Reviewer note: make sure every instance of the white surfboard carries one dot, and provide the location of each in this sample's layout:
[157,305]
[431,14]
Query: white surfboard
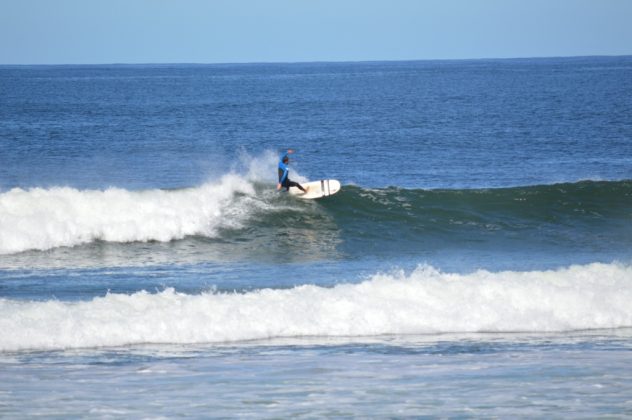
[317,189]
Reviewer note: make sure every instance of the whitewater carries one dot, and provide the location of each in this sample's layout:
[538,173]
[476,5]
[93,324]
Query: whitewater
[425,301]
[41,219]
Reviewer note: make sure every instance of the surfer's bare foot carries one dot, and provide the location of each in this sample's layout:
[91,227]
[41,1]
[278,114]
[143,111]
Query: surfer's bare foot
[305,190]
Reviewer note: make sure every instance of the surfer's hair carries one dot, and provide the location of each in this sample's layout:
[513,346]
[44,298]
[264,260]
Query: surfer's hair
[285,159]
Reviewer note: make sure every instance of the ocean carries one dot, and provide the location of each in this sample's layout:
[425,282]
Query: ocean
[476,263]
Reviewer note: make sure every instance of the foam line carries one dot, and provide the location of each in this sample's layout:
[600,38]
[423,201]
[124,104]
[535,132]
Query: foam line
[425,301]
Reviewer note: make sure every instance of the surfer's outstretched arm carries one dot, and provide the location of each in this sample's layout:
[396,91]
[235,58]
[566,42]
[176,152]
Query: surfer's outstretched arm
[284,154]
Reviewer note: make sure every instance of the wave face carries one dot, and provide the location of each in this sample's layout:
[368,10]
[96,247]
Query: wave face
[424,301]
[582,213]
[245,216]
[557,203]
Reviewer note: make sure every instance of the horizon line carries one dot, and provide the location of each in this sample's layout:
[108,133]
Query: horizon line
[228,63]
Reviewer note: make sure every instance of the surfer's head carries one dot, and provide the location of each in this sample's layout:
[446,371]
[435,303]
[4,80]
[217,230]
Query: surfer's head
[286,159]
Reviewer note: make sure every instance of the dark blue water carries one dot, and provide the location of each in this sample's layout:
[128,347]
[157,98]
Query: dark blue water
[437,124]
[138,208]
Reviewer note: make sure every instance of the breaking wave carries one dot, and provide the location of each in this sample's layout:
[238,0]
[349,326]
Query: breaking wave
[424,301]
[244,209]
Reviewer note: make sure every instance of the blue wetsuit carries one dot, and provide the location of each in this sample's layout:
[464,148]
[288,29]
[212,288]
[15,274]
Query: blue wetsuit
[284,170]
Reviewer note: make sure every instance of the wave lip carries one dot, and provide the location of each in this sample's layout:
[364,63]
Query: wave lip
[426,301]
[41,219]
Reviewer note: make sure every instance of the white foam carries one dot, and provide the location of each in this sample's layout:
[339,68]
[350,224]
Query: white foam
[41,219]
[425,301]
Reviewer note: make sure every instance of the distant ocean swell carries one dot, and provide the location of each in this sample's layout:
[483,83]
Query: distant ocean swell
[594,296]
[41,219]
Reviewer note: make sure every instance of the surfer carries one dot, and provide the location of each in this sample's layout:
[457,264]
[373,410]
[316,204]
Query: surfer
[284,179]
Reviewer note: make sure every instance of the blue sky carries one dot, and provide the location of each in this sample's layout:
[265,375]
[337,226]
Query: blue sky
[229,31]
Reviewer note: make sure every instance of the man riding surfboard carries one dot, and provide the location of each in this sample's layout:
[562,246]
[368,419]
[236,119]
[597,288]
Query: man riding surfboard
[284,170]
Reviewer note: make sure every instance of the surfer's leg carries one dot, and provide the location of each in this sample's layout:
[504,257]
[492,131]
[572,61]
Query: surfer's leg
[297,185]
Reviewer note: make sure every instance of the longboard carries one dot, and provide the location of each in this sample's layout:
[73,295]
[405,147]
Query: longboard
[317,189]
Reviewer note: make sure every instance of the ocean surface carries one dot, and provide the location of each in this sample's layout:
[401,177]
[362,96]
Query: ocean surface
[476,263]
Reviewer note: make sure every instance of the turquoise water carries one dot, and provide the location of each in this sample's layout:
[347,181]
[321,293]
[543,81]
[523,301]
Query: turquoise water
[476,261]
